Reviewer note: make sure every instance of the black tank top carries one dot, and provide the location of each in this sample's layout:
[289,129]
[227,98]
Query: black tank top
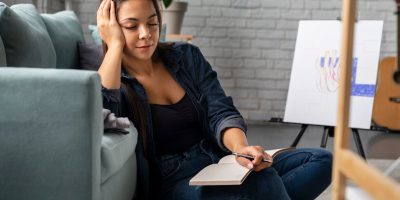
[176,127]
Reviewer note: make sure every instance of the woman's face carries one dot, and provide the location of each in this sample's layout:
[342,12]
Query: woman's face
[139,25]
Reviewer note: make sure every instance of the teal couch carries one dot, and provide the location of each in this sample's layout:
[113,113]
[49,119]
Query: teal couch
[52,143]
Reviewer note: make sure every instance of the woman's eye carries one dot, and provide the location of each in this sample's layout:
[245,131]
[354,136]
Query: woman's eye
[153,24]
[131,27]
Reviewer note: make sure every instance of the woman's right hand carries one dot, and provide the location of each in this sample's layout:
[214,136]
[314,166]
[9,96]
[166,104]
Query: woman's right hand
[109,28]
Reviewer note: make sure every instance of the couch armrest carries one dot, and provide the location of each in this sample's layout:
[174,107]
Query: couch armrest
[50,129]
[116,149]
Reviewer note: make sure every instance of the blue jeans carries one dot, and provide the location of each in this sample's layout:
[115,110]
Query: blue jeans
[299,174]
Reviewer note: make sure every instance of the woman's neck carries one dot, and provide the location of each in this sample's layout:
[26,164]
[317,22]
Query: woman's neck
[139,68]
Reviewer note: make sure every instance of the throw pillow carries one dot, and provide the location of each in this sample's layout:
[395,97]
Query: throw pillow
[3,60]
[94,32]
[65,32]
[90,56]
[25,37]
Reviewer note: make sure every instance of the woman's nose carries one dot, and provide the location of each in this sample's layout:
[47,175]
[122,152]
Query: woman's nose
[144,32]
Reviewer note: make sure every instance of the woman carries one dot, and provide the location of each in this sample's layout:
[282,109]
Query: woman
[185,120]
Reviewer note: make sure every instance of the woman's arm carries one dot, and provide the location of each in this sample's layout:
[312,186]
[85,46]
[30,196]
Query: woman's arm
[225,121]
[235,140]
[111,34]
[110,69]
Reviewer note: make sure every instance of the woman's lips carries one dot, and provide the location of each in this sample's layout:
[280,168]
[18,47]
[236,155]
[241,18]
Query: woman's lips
[144,46]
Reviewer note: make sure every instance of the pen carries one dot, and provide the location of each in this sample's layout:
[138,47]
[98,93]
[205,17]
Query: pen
[250,157]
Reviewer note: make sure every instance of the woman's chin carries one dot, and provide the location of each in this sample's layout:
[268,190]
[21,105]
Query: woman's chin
[140,55]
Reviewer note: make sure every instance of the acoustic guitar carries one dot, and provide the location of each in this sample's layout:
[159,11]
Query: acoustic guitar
[386,112]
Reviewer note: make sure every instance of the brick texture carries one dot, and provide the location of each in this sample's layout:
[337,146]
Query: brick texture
[250,43]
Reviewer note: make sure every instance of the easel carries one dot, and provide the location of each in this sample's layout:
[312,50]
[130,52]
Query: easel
[329,132]
[347,164]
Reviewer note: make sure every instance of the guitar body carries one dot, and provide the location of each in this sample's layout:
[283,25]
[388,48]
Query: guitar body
[386,112]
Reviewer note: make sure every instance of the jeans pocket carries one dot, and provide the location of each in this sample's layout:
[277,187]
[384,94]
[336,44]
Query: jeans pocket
[170,167]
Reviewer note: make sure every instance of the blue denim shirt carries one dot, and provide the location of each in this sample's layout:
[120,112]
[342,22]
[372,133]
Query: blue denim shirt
[194,74]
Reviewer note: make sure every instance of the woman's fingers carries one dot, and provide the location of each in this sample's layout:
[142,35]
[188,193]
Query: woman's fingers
[245,162]
[264,165]
[109,29]
[101,6]
[100,10]
[261,166]
[258,155]
[106,10]
[112,12]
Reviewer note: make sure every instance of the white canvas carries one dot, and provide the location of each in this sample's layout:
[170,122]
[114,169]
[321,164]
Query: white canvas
[313,88]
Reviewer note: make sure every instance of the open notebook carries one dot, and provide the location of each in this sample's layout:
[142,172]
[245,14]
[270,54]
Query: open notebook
[227,171]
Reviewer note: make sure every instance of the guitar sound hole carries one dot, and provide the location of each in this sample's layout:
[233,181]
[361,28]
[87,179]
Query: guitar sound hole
[394,99]
[396,77]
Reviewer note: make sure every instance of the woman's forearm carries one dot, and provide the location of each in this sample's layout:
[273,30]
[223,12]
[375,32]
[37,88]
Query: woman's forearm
[110,69]
[234,139]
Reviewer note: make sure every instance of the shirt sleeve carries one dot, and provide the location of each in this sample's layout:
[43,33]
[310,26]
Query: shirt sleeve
[112,100]
[221,112]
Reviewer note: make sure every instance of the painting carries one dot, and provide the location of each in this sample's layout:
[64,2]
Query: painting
[314,81]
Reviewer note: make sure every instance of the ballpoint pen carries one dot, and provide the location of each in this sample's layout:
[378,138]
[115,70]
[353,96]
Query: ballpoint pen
[250,157]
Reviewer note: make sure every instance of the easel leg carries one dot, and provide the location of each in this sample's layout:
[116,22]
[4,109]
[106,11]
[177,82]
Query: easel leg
[358,143]
[324,138]
[303,129]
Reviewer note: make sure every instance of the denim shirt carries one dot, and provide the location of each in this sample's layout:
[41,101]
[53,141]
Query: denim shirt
[194,74]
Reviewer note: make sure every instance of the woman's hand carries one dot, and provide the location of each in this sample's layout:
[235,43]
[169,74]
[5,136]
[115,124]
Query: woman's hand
[109,28]
[258,153]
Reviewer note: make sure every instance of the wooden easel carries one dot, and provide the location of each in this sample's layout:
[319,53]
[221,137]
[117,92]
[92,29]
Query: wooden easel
[346,163]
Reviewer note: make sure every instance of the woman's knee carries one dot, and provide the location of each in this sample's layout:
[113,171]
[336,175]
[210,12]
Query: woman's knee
[267,182]
[324,159]
[324,156]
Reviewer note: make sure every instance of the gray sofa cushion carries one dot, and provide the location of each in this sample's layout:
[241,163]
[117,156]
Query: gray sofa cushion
[90,56]
[3,60]
[65,32]
[94,32]
[116,149]
[25,37]
[122,184]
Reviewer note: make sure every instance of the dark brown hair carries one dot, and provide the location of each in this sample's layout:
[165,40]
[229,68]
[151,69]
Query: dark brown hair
[139,114]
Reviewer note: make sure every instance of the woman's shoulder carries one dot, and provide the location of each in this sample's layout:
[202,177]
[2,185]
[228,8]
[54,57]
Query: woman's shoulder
[184,47]
[171,53]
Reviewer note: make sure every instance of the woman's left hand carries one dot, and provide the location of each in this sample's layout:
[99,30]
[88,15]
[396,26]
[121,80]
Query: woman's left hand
[258,153]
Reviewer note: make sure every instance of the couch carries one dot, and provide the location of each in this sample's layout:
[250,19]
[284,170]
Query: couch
[52,142]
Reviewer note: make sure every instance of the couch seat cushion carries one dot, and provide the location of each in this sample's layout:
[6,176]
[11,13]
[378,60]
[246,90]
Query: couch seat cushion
[115,151]
[65,32]
[25,37]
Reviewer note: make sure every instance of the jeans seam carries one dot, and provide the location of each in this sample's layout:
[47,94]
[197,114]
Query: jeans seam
[203,150]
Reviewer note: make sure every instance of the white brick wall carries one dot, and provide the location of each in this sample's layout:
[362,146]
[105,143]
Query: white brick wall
[250,43]
[260,36]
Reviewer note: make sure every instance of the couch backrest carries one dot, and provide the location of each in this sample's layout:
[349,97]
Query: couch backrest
[39,40]
[65,32]
[3,60]
[25,37]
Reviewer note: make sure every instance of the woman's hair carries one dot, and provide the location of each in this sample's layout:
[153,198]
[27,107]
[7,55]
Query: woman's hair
[139,114]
